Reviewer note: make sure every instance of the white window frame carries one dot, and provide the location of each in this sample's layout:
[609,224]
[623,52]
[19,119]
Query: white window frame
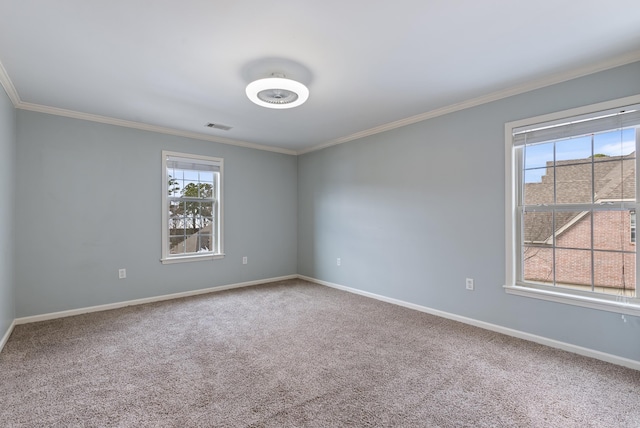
[168,258]
[618,304]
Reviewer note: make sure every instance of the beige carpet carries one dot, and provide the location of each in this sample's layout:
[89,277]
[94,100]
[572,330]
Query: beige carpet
[295,354]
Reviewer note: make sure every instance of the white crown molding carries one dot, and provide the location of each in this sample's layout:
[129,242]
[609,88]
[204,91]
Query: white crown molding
[592,353]
[7,84]
[484,99]
[146,127]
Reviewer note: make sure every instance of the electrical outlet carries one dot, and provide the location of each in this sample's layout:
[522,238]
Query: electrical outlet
[469,283]
[122,273]
[338,261]
[244,260]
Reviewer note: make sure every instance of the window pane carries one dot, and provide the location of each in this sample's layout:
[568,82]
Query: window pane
[574,184]
[536,175]
[206,209]
[206,221]
[612,231]
[573,229]
[608,177]
[191,175]
[204,242]
[205,190]
[614,273]
[201,223]
[192,242]
[176,207]
[206,176]
[573,268]
[538,156]
[179,188]
[538,264]
[538,187]
[538,227]
[614,143]
[629,178]
[181,223]
[177,227]
[615,180]
[190,189]
[178,174]
[173,184]
[176,245]
[574,150]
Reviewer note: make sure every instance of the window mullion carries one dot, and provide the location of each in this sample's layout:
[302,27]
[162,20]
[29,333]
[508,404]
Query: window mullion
[553,215]
[593,193]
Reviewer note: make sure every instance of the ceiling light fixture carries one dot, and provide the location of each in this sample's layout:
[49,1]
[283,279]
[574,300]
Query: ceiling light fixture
[277,92]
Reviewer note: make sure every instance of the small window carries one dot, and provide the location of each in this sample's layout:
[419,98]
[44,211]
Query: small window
[191,207]
[573,202]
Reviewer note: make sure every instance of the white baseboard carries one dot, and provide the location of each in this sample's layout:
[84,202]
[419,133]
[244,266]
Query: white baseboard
[5,338]
[72,312]
[614,359]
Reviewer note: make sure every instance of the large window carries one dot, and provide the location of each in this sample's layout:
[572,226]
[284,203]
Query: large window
[191,207]
[571,204]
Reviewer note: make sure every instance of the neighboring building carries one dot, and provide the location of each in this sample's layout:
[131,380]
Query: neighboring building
[193,241]
[612,252]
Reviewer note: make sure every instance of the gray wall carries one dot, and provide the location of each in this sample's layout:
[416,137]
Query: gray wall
[89,203]
[7,160]
[414,211]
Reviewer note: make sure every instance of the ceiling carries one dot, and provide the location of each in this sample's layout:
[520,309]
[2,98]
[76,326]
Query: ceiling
[174,66]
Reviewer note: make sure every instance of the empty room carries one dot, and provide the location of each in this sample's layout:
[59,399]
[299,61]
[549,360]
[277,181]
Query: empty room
[319,214]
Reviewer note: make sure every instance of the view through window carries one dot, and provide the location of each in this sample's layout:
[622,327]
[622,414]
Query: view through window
[191,201]
[576,204]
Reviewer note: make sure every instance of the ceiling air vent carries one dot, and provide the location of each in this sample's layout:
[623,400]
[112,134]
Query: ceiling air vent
[218,126]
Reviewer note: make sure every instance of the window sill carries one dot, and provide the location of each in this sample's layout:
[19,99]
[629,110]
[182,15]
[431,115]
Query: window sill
[569,299]
[195,258]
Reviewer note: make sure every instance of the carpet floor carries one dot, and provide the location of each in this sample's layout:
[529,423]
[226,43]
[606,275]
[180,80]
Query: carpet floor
[296,354]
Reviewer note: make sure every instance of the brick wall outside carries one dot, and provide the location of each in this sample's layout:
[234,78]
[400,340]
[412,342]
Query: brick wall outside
[573,266]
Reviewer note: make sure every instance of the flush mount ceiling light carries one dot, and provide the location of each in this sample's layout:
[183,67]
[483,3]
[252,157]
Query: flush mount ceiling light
[277,92]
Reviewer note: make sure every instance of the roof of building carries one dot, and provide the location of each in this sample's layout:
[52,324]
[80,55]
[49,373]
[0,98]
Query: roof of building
[613,180]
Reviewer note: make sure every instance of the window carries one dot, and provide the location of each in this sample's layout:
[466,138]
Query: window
[191,207]
[571,201]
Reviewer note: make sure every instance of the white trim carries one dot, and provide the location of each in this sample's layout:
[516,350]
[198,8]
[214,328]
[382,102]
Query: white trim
[484,99]
[72,312]
[614,359]
[620,307]
[6,336]
[146,127]
[192,258]
[217,162]
[510,187]
[7,84]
